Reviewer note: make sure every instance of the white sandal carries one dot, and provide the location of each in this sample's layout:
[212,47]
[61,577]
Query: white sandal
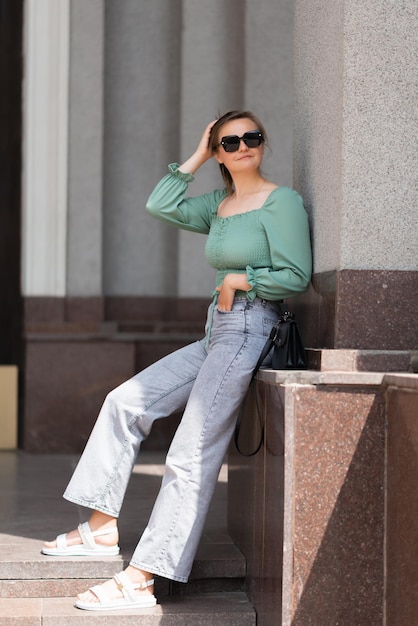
[88,548]
[130,598]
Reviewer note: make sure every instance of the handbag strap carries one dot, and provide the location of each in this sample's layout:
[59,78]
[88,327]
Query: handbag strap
[264,353]
[238,428]
[274,335]
[266,349]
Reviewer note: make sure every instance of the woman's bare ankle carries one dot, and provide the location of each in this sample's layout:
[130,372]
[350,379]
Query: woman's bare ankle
[137,575]
[97,521]
[101,521]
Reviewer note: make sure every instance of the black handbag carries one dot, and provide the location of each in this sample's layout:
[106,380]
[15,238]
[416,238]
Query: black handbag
[287,345]
[288,354]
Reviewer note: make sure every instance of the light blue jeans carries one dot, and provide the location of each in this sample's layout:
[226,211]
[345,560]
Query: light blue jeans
[208,378]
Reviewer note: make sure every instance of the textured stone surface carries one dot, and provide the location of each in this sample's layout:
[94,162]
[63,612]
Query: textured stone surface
[402,506]
[36,589]
[85,155]
[79,349]
[375,310]
[33,510]
[255,502]
[228,608]
[355,166]
[313,506]
[380,123]
[333,541]
[66,383]
[360,360]
[20,612]
[360,309]
[355,129]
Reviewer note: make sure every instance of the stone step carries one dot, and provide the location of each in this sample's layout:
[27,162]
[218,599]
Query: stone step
[39,590]
[230,609]
[26,573]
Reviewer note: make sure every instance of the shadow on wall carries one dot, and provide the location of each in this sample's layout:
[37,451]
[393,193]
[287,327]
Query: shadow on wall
[344,583]
[402,508]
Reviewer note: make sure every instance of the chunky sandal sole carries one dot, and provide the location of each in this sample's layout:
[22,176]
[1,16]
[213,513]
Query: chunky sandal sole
[78,550]
[121,605]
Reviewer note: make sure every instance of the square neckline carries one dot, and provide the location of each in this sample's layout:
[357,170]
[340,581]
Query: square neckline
[227,217]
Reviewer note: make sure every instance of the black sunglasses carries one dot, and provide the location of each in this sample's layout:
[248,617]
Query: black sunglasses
[252,139]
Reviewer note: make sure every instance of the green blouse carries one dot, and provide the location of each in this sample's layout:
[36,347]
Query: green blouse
[270,244]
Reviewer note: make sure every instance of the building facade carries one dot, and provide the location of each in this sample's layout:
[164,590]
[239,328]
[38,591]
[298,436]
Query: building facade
[111,92]
[98,96]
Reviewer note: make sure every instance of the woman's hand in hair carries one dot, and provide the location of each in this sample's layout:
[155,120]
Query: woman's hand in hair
[202,153]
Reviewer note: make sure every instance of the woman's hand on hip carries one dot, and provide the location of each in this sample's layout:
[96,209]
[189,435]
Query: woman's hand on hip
[230,284]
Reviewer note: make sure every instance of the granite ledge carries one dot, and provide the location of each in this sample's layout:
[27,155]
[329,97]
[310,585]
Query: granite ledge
[404,381]
[341,378]
[325,359]
[314,377]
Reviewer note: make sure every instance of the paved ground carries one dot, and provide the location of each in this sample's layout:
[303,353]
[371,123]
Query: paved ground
[37,589]
[32,508]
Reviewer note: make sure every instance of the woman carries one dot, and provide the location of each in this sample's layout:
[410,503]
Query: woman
[258,241]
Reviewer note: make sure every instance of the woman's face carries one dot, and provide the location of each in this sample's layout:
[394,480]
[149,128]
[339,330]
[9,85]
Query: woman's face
[244,157]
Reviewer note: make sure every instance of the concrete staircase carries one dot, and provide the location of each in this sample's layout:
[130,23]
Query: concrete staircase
[39,590]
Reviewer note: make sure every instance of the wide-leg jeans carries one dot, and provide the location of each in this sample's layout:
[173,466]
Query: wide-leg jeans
[209,378]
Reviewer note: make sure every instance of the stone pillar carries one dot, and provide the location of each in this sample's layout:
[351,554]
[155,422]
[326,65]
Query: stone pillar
[45,147]
[142,82]
[235,54]
[310,522]
[268,83]
[212,83]
[85,175]
[355,165]
[327,519]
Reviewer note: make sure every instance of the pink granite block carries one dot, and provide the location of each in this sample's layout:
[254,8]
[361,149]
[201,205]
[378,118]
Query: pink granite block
[255,500]
[334,502]
[360,309]
[310,505]
[272,556]
[376,310]
[243,486]
[402,507]
[66,383]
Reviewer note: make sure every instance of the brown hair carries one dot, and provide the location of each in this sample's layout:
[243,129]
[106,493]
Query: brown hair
[215,136]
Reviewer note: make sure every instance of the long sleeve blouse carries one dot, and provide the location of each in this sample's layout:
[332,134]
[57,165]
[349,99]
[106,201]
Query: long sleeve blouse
[271,245]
